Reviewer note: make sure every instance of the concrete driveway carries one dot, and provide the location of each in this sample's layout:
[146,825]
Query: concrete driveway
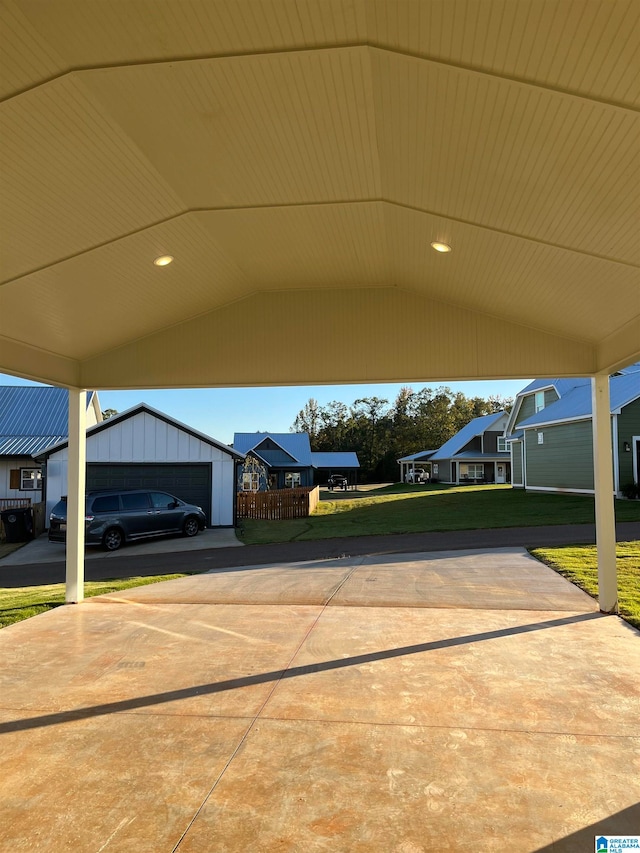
[458,701]
[40,550]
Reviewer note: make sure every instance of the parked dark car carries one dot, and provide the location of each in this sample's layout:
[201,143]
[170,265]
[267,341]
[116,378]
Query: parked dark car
[337,481]
[116,516]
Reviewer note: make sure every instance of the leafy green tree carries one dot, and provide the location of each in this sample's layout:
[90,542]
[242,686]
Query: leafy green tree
[308,419]
[380,434]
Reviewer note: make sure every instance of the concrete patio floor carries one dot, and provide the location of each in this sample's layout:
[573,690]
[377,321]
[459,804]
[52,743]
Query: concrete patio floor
[458,701]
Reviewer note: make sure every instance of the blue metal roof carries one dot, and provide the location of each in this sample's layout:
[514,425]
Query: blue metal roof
[296,444]
[478,454]
[27,445]
[562,386]
[33,410]
[32,418]
[577,403]
[475,427]
[633,368]
[346,459]
[423,456]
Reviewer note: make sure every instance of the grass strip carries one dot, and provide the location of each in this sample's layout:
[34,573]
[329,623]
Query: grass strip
[435,507]
[579,564]
[21,603]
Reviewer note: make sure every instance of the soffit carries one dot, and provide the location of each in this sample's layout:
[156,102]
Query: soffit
[279,146]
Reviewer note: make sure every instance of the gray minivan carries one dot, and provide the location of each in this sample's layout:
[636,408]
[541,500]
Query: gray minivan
[115,516]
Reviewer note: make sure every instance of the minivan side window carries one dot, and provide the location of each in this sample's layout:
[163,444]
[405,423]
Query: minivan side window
[135,501]
[107,503]
[161,500]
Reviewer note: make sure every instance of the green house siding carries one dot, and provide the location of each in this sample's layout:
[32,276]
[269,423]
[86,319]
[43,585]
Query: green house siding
[516,475]
[528,405]
[628,426]
[564,460]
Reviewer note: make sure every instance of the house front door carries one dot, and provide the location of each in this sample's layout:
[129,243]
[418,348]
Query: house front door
[500,474]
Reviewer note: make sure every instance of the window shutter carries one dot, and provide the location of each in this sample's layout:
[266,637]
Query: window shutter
[14,478]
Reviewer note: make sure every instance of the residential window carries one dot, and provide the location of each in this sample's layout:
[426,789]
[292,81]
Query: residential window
[30,479]
[539,401]
[435,469]
[250,481]
[292,479]
[472,472]
[502,444]
[540,438]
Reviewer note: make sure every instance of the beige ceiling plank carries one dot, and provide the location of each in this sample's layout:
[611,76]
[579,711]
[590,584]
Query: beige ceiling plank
[105,297]
[585,49]
[71,179]
[29,362]
[497,154]
[99,34]
[521,281]
[621,348]
[256,130]
[423,341]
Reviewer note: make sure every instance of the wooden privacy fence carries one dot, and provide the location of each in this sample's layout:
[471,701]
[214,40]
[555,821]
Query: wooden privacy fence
[278,504]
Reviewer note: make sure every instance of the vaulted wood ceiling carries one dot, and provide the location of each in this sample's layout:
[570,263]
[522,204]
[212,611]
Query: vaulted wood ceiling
[297,158]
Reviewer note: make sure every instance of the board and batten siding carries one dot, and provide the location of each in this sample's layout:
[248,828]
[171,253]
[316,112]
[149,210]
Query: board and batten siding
[628,427]
[146,438]
[564,460]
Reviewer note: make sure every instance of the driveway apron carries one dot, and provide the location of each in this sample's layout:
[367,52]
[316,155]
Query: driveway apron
[459,700]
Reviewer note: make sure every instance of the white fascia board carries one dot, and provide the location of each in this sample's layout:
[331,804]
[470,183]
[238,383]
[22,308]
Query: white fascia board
[631,399]
[560,490]
[555,423]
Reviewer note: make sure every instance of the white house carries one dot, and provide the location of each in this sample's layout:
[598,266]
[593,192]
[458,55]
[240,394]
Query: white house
[32,418]
[144,448]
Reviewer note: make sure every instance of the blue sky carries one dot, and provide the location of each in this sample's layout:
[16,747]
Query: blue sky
[219,412]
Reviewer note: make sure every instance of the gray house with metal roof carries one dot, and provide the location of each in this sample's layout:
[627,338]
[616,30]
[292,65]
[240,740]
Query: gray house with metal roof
[476,454]
[550,434]
[285,460]
[32,418]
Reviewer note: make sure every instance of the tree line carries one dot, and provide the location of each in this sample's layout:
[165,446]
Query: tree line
[381,433]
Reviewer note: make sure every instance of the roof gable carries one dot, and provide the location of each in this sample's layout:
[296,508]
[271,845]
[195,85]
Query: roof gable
[295,444]
[475,427]
[144,408]
[576,404]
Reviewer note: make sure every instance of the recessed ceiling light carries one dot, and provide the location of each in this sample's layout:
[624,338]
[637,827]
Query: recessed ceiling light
[163,260]
[441,247]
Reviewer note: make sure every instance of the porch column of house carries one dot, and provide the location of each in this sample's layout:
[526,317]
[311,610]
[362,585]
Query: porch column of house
[603,482]
[76,476]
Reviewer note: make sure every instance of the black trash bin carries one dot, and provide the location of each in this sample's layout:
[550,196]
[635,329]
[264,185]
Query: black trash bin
[18,524]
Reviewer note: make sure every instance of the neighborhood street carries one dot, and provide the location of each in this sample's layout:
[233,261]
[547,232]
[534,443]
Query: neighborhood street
[134,562]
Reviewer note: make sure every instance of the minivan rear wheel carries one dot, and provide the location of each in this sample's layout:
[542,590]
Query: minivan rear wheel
[112,539]
[191,526]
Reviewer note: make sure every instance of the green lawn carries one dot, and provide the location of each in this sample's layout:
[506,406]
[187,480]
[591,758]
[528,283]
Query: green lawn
[579,565]
[417,509]
[23,602]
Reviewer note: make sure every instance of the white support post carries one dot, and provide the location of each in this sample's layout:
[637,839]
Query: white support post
[603,481]
[76,495]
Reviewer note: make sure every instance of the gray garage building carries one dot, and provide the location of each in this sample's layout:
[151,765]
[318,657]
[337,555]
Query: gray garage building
[144,448]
